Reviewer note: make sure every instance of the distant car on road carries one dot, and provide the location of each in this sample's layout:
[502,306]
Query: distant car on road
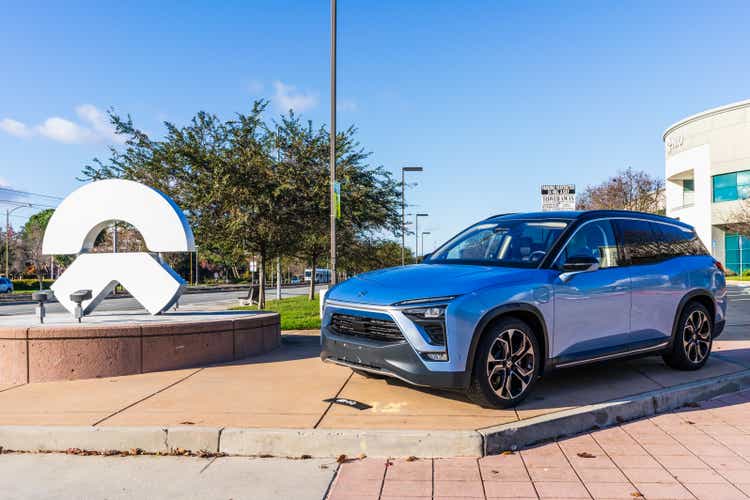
[6,285]
[515,296]
[295,280]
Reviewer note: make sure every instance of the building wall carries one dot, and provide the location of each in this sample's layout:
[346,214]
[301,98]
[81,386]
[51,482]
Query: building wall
[692,163]
[699,147]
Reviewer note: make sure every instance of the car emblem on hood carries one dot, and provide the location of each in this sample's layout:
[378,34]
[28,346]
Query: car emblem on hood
[362,293]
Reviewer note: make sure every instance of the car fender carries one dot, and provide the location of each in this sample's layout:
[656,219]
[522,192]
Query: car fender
[698,292]
[501,310]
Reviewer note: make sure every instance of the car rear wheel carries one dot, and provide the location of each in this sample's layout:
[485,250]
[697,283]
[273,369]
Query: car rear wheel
[694,339]
[506,365]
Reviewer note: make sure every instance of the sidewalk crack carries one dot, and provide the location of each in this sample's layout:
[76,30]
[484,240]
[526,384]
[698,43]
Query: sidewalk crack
[147,397]
[208,465]
[341,389]
[12,387]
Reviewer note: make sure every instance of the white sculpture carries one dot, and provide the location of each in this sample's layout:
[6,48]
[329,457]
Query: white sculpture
[73,228]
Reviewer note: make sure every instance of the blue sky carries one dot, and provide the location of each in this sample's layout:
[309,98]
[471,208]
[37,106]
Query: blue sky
[492,98]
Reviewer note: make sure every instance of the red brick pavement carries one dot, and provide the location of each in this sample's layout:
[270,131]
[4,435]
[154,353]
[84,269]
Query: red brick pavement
[700,452]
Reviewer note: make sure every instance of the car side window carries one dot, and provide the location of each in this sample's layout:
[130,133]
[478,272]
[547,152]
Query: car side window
[677,241]
[594,239]
[639,241]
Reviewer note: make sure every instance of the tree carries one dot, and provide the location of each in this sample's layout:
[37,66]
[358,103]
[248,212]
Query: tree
[31,240]
[366,254]
[238,199]
[628,190]
[249,189]
[370,196]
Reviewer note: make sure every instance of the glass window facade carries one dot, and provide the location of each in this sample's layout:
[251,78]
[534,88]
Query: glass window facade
[688,192]
[737,248]
[733,186]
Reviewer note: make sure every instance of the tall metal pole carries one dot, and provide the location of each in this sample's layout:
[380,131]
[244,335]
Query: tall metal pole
[423,233]
[278,278]
[278,259]
[196,265]
[416,239]
[7,240]
[403,208]
[403,218]
[333,143]
[9,211]
[416,236]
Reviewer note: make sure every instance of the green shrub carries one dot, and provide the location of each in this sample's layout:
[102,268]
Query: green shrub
[30,284]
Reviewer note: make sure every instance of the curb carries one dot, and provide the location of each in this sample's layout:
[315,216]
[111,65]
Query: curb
[332,443]
[316,443]
[326,443]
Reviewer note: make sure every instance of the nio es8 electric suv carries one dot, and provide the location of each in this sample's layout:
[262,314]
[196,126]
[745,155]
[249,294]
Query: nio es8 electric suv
[514,296]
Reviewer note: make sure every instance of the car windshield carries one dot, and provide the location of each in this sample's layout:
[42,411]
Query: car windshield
[513,243]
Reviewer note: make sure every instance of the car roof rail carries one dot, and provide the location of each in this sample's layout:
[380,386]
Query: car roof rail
[500,215]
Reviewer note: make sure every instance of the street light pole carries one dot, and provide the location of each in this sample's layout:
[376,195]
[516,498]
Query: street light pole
[403,208]
[333,143]
[9,211]
[196,265]
[423,233]
[416,236]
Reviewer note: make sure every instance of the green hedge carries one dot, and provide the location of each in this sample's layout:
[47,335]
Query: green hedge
[30,284]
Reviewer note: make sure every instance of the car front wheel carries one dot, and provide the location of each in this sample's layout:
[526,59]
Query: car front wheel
[506,365]
[693,341]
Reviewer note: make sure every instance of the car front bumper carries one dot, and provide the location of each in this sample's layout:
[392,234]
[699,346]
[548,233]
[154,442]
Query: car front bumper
[396,359]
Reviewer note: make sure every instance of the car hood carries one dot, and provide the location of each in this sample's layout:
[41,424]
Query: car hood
[388,286]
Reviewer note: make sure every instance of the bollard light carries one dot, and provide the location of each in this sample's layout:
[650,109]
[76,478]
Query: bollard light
[41,297]
[77,298]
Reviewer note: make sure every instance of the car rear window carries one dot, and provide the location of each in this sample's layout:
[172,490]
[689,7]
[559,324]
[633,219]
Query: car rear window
[648,242]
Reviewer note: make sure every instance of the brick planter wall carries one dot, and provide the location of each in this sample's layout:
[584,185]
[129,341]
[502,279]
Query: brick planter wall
[68,352]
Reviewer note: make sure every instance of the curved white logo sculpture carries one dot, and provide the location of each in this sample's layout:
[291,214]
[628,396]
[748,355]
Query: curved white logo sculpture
[73,228]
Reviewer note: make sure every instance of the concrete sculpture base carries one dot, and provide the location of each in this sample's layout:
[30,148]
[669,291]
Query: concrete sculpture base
[110,345]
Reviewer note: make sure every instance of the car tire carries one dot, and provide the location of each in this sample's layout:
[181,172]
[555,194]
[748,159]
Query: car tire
[506,365]
[693,339]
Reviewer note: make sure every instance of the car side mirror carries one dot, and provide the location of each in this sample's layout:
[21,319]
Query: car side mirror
[426,257]
[578,264]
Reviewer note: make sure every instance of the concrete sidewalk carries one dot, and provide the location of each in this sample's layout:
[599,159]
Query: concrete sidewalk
[280,398]
[287,388]
[56,476]
[276,404]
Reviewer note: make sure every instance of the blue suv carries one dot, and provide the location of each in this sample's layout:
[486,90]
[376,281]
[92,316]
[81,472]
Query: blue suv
[514,296]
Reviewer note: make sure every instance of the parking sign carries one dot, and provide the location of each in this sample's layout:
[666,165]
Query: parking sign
[558,197]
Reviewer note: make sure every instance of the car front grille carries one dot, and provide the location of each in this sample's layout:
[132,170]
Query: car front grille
[384,330]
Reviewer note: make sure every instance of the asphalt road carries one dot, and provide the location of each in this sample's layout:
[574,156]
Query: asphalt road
[210,300]
[738,314]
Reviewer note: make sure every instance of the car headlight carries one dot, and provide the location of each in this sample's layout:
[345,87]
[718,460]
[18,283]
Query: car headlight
[431,320]
[426,313]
